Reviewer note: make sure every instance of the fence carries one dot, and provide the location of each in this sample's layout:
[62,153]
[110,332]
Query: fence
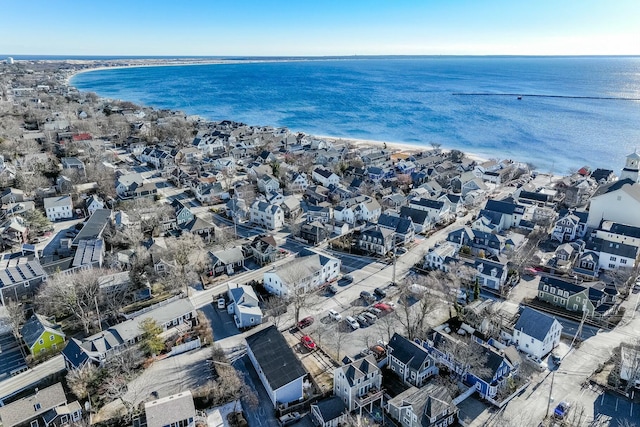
[183,348]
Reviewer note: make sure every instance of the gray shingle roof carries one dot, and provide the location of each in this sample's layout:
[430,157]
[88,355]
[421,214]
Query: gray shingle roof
[33,406]
[534,323]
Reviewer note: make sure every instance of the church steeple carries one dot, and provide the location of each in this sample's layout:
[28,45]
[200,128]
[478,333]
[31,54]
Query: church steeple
[632,167]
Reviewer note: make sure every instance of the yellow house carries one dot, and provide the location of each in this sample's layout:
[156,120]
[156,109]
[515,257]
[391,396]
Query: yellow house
[41,335]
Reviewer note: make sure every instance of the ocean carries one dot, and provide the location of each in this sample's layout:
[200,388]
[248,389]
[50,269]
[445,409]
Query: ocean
[558,113]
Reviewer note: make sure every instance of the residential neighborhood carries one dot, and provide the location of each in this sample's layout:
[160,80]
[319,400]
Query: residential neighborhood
[161,269]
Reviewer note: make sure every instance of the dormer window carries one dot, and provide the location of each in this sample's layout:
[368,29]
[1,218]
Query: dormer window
[36,407]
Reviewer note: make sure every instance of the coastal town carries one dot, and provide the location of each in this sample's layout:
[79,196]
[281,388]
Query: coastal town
[160,269]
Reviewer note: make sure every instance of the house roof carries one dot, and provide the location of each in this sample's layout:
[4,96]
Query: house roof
[277,361]
[359,369]
[37,325]
[627,185]
[75,354]
[177,407]
[487,266]
[417,216]
[88,252]
[534,323]
[228,256]
[94,226]
[407,352]
[330,408]
[600,174]
[32,406]
[399,224]
[65,409]
[428,401]
[503,207]
[56,202]
[427,203]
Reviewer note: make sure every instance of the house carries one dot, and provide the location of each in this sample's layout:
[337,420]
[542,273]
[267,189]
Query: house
[571,225]
[244,306]
[101,346]
[308,271]
[278,368]
[267,184]
[184,215]
[46,407]
[409,361]
[298,182]
[404,229]
[266,215]
[454,203]
[437,211]
[93,203]
[329,412]
[419,218]
[236,209]
[613,255]
[176,410]
[322,212]
[11,195]
[427,406]
[499,215]
[358,383]
[602,176]
[618,201]
[536,333]
[93,227]
[572,296]
[618,233]
[265,249]
[314,232]
[490,274]
[58,207]
[325,177]
[376,240]
[441,257]
[72,163]
[227,261]
[20,277]
[359,208]
[40,335]
[291,207]
[14,231]
[89,254]
[134,185]
[564,254]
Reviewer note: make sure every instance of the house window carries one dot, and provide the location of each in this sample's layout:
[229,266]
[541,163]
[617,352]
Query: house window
[577,299]
[623,261]
[36,407]
[613,258]
[34,423]
[41,341]
[52,337]
[612,266]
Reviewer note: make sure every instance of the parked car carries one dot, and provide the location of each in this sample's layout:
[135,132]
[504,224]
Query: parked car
[367,297]
[333,289]
[562,410]
[308,342]
[378,350]
[352,322]
[307,321]
[365,352]
[348,278]
[556,359]
[335,315]
[380,292]
[371,318]
[383,306]
[376,311]
[290,418]
[221,303]
[362,321]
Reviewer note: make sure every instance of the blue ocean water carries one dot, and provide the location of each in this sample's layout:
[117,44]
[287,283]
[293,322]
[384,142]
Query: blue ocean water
[415,100]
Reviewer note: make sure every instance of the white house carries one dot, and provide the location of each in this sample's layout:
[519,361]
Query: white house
[278,368]
[267,183]
[298,182]
[358,383]
[325,177]
[490,274]
[536,333]
[614,255]
[630,364]
[618,202]
[266,215]
[308,271]
[436,210]
[58,207]
[94,203]
[571,226]
[244,306]
[441,256]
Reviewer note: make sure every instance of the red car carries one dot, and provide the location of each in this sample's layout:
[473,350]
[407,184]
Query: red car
[384,307]
[307,321]
[308,342]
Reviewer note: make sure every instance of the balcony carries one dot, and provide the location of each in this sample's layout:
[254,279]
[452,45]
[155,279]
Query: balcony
[369,397]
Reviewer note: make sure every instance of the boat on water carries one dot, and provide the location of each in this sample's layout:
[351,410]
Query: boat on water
[519,98]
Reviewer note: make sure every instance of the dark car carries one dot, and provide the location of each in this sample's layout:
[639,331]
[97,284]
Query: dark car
[348,278]
[307,321]
[362,321]
[365,295]
[333,289]
[561,410]
[380,292]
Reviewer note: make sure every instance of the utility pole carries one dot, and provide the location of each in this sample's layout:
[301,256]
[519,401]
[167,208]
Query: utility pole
[553,375]
[579,331]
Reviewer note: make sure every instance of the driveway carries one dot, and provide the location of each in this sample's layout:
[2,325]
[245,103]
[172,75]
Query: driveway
[221,322]
[263,415]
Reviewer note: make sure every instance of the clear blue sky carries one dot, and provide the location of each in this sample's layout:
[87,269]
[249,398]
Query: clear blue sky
[320,27]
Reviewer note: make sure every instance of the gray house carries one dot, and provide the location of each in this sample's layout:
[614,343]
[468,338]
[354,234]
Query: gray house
[427,406]
[409,361]
[244,306]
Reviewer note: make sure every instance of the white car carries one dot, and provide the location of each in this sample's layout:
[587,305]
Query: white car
[221,303]
[335,315]
[352,322]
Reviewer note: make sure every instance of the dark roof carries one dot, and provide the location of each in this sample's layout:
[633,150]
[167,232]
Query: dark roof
[427,203]
[35,327]
[504,207]
[600,174]
[625,230]
[417,216]
[534,323]
[400,225]
[614,248]
[562,284]
[331,408]
[582,216]
[74,353]
[613,186]
[323,172]
[276,359]
[94,226]
[407,351]
[538,197]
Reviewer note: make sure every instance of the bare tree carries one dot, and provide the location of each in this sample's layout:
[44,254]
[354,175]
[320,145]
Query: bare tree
[73,294]
[275,307]
[188,253]
[386,325]
[468,356]
[416,302]
[16,316]
[82,381]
